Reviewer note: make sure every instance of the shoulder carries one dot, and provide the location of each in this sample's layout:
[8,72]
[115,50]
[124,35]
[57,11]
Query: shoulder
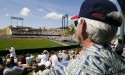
[7,70]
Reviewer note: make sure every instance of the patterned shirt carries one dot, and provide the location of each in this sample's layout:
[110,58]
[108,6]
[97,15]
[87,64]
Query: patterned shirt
[96,60]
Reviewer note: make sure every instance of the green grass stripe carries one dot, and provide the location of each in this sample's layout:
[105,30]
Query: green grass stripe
[27,44]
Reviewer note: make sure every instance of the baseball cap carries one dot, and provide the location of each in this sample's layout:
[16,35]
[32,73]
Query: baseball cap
[98,10]
[45,52]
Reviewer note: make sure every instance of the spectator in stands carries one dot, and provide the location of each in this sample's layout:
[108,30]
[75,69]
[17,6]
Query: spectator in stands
[43,69]
[23,59]
[97,24]
[12,69]
[64,56]
[1,66]
[32,56]
[119,47]
[7,58]
[43,58]
[15,60]
[59,55]
[39,70]
[47,70]
[38,58]
[54,59]
[29,60]
[72,54]
[4,59]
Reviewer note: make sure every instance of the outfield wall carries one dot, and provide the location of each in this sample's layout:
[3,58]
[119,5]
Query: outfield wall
[39,50]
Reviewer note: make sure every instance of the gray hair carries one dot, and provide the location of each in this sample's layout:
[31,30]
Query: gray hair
[101,32]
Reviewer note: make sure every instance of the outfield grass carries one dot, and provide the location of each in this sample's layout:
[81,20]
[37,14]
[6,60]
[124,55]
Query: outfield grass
[25,43]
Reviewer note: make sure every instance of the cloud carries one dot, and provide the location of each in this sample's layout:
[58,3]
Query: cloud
[7,15]
[42,10]
[25,11]
[5,9]
[54,15]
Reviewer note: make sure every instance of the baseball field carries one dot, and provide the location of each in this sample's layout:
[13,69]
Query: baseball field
[27,43]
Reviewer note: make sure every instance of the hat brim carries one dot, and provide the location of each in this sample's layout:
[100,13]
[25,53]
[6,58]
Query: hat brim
[75,17]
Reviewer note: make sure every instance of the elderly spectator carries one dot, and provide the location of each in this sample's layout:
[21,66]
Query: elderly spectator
[97,24]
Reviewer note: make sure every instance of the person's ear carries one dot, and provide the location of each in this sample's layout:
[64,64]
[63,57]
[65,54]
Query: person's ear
[83,26]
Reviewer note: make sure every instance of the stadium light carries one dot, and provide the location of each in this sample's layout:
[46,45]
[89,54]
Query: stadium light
[63,21]
[16,18]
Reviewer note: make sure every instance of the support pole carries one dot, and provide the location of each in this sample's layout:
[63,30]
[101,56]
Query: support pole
[122,31]
[62,23]
[67,20]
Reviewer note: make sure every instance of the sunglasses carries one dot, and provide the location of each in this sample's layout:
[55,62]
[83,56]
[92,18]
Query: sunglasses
[76,23]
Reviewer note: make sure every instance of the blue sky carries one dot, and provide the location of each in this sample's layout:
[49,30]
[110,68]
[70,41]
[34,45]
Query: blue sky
[37,13]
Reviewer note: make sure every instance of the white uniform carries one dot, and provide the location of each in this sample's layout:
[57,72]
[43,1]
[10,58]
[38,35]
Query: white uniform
[12,52]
